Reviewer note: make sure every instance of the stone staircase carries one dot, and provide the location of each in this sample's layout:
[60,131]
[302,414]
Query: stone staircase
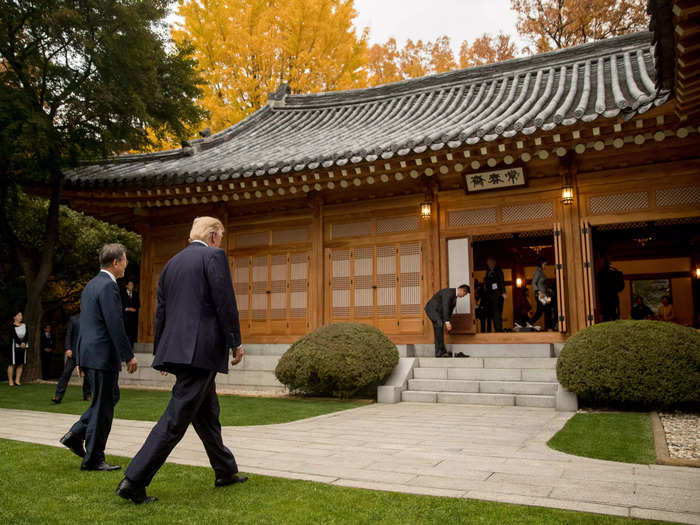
[494,374]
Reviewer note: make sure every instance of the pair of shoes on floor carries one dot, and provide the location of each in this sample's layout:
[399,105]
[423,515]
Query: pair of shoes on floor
[230,480]
[74,443]
[444,354]
[127,489]
[461,354]
[102,466]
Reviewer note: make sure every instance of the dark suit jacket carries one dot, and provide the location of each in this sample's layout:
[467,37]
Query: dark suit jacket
[47,342]
[71,340]
[131,302]
[196,316]
[102,341]
[441,305]
[494,276]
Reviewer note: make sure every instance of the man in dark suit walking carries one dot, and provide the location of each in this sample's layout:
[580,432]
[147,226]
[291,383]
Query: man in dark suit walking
[131,305]
[439,310]
[102,346]
[196,327]
[71,344]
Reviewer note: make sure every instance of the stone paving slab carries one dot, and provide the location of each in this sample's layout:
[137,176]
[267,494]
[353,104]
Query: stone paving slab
[481,452]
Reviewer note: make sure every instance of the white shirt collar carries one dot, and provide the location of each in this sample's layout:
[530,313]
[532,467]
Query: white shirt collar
[110,275]
[200,242]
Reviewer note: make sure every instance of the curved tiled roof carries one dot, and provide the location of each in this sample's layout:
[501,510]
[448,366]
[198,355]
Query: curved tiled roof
[485,103]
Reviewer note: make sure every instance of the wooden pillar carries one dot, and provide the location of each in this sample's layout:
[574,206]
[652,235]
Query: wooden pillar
[147,307]
[316,294]
[434,254]
[573,260]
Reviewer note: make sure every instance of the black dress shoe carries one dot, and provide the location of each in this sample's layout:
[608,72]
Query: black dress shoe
[86,398]
[73,442]
[101,466]
[127,489]
[230,480]
[56,401]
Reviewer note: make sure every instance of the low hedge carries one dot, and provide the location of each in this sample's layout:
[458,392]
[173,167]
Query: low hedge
[633,364]
[339,359]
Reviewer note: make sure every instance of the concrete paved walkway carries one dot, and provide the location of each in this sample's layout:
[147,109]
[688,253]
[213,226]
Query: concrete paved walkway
[489,453]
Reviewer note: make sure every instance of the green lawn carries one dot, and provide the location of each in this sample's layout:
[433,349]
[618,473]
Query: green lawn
[615,436]
[42,484]
[148,405]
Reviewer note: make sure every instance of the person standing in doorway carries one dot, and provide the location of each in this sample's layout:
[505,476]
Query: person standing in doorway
[543,298]
[196,328]
[47,348]
[495,289]
[70,345]
[439,310]
[102,346]
[131,305]
[611,282]
[17,356]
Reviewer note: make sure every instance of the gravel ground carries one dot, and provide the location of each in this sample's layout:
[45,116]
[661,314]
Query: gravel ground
[682,435]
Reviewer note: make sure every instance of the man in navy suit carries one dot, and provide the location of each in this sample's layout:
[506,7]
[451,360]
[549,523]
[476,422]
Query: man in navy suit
[196,327]
[102,346]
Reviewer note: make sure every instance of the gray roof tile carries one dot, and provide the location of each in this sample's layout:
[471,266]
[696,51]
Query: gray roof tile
[485,103]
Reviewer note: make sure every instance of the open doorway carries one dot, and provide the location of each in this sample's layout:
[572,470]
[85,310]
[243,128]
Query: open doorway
[657,265]
[514,305]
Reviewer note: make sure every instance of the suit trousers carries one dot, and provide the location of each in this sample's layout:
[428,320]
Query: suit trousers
[46,361]
[96,423]
[439,333]
[193,401]
[495,311]
[65,378]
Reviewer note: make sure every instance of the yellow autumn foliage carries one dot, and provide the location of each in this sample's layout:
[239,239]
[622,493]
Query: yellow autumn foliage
[246,48]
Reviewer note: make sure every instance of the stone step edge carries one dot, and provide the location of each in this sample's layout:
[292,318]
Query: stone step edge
[552,396]
[489,381]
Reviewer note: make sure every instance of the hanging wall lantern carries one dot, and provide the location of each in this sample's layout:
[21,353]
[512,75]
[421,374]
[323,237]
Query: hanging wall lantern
[426,210]
[518,282]
[567,194]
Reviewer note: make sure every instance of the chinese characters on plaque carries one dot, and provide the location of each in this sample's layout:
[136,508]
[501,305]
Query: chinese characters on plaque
[495,180]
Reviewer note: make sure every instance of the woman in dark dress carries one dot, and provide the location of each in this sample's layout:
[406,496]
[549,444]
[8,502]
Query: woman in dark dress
[19,342]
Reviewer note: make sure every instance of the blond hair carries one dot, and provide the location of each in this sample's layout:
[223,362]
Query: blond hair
[203,227]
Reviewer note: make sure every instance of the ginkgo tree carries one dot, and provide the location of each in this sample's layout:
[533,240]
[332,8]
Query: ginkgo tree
[246,48]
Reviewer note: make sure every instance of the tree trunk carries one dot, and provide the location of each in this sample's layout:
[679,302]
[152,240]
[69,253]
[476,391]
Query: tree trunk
[32,318]
[37,269]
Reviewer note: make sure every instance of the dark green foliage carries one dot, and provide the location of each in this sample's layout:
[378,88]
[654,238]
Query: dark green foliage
[645,364]
[339,359]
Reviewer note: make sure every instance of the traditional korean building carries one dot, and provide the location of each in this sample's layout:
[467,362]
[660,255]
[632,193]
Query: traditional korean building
[359,205]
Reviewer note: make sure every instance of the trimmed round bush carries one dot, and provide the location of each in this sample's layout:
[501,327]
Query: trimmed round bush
[640,364]
[339,359]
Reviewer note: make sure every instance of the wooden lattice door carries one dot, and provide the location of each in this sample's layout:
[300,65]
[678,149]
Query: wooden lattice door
[377,285]
[272,292]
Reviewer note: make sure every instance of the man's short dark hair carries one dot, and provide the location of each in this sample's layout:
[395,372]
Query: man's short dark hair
[464,287]
[111,252]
